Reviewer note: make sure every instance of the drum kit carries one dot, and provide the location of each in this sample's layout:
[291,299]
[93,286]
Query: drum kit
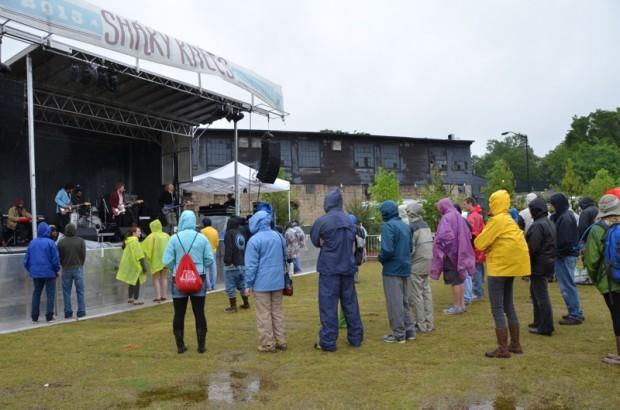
[86,218]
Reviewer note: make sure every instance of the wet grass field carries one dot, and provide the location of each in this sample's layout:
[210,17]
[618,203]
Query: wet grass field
[129,361]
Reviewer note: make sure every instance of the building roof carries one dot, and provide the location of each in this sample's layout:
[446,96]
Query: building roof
[341,135]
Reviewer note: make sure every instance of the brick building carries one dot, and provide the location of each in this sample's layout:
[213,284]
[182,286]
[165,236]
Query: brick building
[317,162]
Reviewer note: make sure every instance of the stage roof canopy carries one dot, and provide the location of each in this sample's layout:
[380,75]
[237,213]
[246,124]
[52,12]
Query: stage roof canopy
[142,101]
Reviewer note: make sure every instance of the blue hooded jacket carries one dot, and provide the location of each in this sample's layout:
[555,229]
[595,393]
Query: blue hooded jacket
[200,252]
[265,256]
[337,233]
[396,244]
[42,259]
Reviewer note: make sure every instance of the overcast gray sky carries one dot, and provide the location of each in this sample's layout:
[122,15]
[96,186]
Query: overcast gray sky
[416,68]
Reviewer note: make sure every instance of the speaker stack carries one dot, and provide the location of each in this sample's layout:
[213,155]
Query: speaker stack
[269,160]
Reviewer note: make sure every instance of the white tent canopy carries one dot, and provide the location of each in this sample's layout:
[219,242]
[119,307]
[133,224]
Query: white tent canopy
[222,181]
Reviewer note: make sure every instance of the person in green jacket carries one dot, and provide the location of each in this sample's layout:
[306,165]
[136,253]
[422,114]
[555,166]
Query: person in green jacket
[596,266]
[154,246]
[133,267]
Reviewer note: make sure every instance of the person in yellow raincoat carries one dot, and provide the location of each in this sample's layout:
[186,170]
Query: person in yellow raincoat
[507,257]
[154,246]
[133,267]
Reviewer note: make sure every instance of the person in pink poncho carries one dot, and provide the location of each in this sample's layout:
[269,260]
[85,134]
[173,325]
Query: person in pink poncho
[453,253]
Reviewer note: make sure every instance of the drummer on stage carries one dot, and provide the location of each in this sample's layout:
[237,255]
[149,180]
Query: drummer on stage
[18,220]
[63,202]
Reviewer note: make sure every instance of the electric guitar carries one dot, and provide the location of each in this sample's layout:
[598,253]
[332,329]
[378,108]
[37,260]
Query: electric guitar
[171,207]
[68,209]
[122,208]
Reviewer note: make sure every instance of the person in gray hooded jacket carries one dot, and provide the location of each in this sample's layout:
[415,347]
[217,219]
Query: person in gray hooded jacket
[420,294]
[72,250]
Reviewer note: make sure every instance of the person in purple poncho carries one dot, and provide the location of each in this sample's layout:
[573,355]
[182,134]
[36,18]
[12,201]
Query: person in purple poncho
[453,253]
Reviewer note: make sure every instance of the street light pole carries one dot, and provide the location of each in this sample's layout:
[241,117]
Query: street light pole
[527,155]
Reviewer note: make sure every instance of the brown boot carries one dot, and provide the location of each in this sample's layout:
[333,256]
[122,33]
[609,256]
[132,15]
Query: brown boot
[233,305]
[515,345]
[502,345]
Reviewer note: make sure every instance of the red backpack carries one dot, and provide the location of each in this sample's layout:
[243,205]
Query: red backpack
[187,280]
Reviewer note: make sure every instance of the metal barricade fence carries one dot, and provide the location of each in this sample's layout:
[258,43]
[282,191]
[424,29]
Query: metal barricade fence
[373,245]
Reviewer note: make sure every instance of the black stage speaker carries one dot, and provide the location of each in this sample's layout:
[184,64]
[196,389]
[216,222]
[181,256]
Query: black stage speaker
[89,234]
[269,161]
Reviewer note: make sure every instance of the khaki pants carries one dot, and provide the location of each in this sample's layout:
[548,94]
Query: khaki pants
[270,318]
[421,297]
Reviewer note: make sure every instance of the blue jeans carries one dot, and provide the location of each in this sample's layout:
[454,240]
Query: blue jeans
[69,276]
[565,274]
[479,280]
[212,274]
[296,265]
[50,291]
[468,293]
[234,279]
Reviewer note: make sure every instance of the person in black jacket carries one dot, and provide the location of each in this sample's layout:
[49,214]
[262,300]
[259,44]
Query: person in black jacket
[588,214]
[234,264]
[72,250]
[566,253]
[541,240]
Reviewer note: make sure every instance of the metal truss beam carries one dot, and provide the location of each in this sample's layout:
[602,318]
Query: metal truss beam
[89,124]
[48,101]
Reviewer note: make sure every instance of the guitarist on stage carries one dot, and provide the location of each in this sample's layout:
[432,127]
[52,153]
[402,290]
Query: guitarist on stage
[63,204]
[117,202]
[168,205]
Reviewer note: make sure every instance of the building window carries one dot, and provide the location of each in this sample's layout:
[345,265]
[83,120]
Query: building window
[219,152]
[256,143]
[285,154]
[364,156]
[390,156]
[244,142]
[336,145]
[309,153]
[439,159]
[310,189]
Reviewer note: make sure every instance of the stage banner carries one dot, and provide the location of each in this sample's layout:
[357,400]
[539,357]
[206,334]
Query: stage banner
[82,21]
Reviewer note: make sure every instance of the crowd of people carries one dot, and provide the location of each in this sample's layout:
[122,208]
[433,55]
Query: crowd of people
[464,249]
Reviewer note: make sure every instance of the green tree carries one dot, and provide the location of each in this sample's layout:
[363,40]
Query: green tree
[500,177]
[368,214]
[598,185]
[512,149]
[571,182]
[430,196]
[386,187]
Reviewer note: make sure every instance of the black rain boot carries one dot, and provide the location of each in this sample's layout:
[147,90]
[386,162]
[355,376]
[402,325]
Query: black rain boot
[201,335]
[178,336]
[246,303]
[233,305]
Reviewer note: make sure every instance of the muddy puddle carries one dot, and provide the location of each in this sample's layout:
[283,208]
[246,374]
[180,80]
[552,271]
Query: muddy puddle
[499,403]
[226,387]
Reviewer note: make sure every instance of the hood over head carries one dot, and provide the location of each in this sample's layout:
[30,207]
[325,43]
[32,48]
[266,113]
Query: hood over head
[445,205]
[402,212]
[388,210]
[538,208]
[70,230]
[155,226]
[260,221]
[586,202]
[559,202]
[333,200]
[414,210]
[514,214]
[530,197]
[44,230]
[499,202]
[234,222]
[353,219]
[187,221]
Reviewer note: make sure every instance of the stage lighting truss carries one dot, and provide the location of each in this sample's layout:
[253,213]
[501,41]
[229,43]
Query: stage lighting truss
[71,112]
